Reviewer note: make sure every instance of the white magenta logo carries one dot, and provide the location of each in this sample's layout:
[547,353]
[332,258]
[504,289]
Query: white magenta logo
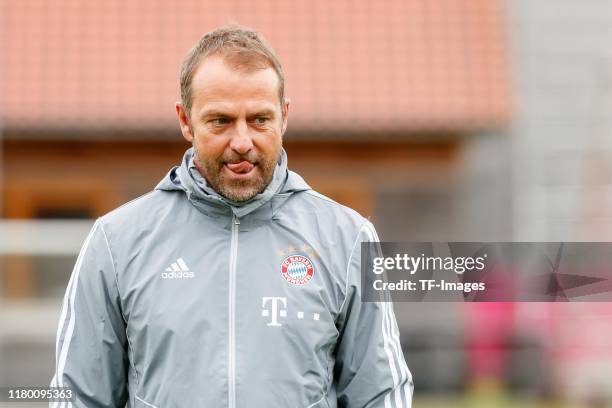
[278,308]
[178,270]
[273,308]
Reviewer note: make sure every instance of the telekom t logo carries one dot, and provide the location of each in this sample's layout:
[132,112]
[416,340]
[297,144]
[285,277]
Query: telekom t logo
[275,310]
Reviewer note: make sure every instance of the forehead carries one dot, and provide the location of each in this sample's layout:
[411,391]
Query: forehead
[217,81]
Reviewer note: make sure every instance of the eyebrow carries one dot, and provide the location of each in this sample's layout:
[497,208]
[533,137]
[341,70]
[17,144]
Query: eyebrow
[211,113]
[214,112]
[263,112]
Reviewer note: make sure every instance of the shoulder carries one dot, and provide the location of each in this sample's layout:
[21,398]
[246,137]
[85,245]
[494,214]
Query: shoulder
[327,213]
[327,205]
[141,211]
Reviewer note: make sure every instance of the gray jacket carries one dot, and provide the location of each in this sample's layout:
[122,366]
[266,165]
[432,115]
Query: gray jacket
[181,298]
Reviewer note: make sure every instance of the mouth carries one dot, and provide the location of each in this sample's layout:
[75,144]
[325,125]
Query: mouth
[241,168]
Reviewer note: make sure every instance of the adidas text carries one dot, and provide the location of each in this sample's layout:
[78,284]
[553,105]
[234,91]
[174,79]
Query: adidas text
[177,275]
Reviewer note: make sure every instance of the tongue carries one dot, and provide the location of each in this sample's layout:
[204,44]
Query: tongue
[241,167]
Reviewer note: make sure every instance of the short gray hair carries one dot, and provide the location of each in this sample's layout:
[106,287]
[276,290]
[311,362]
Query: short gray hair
[241,47]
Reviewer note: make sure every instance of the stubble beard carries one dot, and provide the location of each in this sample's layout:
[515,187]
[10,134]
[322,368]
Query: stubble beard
[238,190]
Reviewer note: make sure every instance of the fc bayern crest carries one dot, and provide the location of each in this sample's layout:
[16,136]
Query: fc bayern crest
[297,269]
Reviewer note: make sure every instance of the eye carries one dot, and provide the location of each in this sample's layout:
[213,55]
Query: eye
[219,121]
[261,120]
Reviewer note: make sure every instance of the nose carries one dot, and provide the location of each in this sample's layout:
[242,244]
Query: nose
[241,141]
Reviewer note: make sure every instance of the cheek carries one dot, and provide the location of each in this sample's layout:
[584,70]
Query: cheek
[210,146]
[269,141]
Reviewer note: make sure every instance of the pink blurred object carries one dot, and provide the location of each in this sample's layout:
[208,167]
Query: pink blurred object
[489,326]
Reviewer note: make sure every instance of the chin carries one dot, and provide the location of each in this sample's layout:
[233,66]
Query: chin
[240,193]
[240,197]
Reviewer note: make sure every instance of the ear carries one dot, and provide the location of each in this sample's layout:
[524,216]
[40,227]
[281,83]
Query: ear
[183,118]
[285,115]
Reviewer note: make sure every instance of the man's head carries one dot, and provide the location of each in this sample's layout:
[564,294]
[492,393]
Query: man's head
[233,110]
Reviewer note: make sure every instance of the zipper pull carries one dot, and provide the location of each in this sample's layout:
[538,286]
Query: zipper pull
[236,220]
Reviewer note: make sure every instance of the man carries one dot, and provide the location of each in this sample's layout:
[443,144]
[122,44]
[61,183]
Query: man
[233,283]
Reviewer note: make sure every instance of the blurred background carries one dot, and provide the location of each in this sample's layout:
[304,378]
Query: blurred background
[465,120]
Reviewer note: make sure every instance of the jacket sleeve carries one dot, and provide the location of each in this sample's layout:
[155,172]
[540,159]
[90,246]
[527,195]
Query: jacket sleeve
[91,355]
[370,369]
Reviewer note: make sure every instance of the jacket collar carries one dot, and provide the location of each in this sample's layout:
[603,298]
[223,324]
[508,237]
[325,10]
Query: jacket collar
[188,179]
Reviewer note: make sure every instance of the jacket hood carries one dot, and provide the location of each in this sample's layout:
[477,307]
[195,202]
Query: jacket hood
[187,178]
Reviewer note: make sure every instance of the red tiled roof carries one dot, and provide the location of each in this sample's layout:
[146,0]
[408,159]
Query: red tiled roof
[397,65]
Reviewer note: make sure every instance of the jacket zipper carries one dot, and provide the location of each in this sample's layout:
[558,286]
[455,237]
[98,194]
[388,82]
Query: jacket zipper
[232,313]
